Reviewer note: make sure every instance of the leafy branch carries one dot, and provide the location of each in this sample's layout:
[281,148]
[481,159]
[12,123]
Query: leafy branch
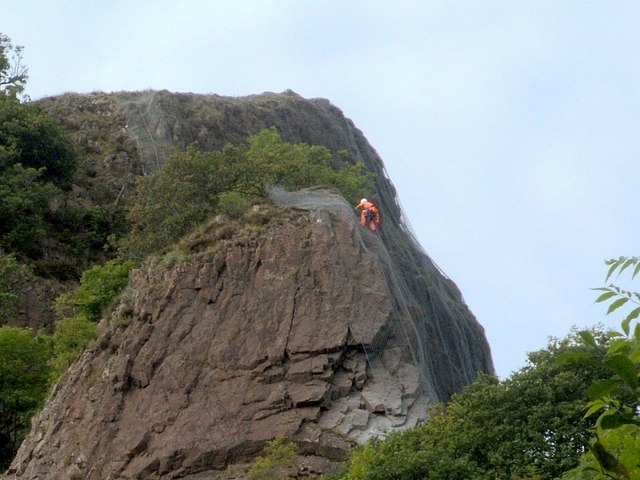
[615,450]
[621,297]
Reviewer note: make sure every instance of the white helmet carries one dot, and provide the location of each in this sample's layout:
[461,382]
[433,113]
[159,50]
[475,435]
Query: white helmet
[363,200]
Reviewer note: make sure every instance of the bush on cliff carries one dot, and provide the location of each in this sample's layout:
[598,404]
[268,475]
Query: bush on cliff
[82,308]
[195,185]
[278,461]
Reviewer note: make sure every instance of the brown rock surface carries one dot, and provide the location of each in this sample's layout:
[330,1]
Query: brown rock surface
[265,338]
[312,327]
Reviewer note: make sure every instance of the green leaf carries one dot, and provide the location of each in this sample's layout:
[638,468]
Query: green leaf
[636,271]
[610,419]
[633,314]
[627,321]
[605,296]
[587,338]
[634,356]
[624,368]
[617,304]
[627,264]
[636,331]
[572,357]
[618,344]
[594,407]
[603,388]
[614,264]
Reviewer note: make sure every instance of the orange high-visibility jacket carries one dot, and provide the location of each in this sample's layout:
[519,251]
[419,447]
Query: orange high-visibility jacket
[365,205]
[368,206]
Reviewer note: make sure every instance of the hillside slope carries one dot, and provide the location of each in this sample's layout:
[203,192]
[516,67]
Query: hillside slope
[295,321]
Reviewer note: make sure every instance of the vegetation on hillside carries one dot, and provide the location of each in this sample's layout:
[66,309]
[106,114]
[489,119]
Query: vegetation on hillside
[14,276]
[39,221]
[278,461]
[195,185]
[81,310]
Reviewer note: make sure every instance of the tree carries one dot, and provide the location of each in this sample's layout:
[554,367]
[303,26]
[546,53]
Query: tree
[530,425]
[37,161]
[35,140]
[24,375]
[13,74]
[614,451]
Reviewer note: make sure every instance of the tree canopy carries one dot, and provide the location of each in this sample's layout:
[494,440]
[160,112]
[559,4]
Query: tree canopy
[37,160]
[35,140]
[530,425]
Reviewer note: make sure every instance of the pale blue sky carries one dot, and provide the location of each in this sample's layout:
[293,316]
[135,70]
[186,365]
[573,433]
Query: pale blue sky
[509,128]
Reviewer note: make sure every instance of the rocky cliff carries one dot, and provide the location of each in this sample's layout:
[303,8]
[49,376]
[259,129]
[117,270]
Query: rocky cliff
[292,320]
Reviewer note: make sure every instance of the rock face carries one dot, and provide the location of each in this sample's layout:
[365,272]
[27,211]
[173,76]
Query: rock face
[309,327]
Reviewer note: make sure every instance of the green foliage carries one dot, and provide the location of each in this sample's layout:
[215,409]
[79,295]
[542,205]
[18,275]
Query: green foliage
[233,204]
[24,201]
[271,161]
[278,463]
[615,449]
[70,338]
[99,285]
[13,277]
[195,185]
[173,200]
[37,159]
[30,137]
[86,230]
[23,385]
[528,426]
[82,308]
[13,75]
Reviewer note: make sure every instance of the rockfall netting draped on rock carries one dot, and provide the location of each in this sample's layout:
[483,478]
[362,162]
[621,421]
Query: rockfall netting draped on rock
[448,343]
[311,327]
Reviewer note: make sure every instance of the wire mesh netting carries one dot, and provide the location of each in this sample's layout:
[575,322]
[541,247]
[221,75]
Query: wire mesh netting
[432,321]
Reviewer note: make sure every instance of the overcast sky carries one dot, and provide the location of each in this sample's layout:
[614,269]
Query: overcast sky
[510,129]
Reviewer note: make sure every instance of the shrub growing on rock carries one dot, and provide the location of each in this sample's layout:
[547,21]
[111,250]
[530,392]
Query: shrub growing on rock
[194,185]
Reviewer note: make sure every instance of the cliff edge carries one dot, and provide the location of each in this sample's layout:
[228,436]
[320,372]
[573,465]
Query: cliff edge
[292,320]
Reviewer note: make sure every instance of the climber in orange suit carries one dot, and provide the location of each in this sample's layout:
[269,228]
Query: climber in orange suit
[370,216]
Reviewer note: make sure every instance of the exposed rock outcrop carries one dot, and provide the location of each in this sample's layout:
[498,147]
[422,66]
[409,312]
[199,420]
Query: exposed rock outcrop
[298,323]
